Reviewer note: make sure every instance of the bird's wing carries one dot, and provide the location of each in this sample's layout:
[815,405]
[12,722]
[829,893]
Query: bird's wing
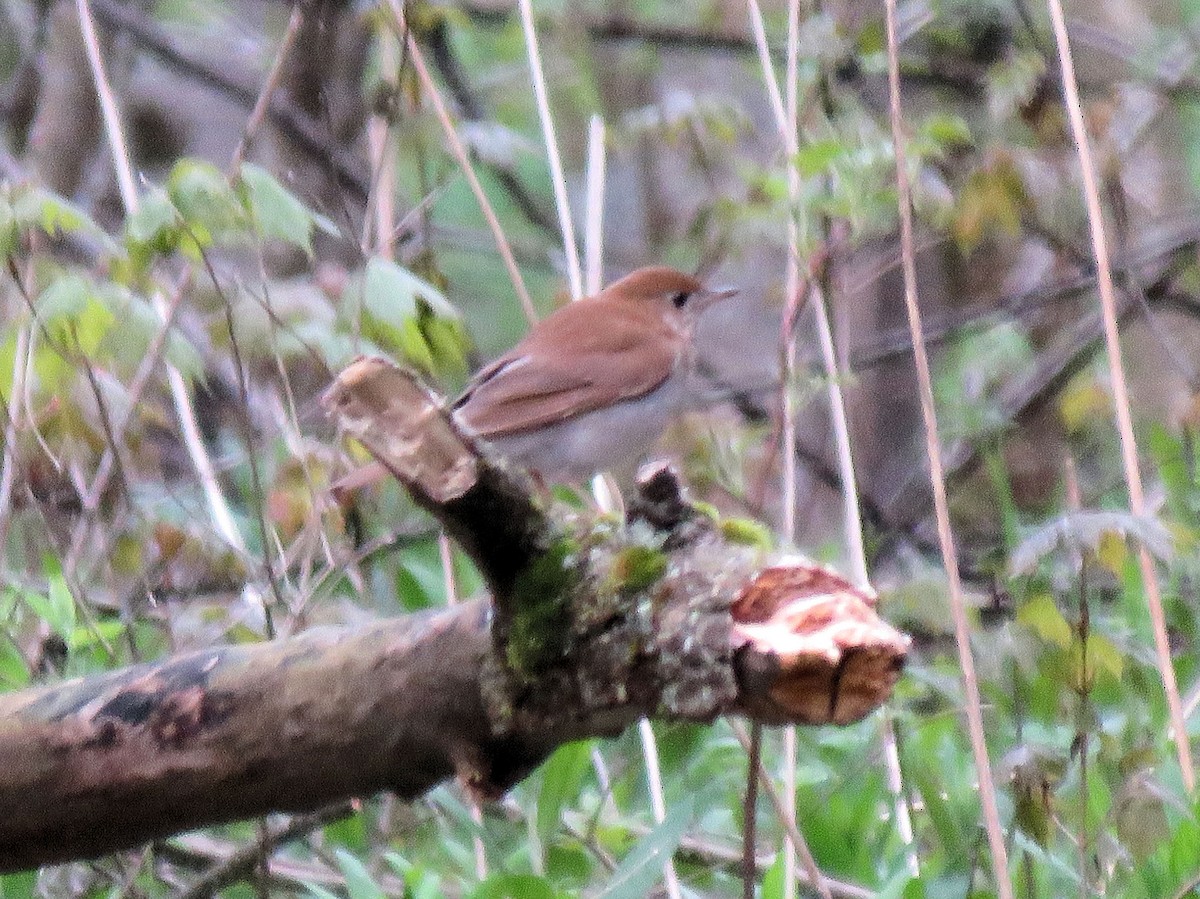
[532,386]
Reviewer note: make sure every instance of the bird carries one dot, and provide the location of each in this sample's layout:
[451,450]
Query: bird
[592,386]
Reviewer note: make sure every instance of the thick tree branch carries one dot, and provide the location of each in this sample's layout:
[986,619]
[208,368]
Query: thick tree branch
[593,626]
[95,765]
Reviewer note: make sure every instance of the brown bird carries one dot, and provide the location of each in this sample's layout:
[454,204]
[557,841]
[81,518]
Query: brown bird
[592,386]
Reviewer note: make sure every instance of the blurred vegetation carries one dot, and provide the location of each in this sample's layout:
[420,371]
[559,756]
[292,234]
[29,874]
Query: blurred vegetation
[252,282]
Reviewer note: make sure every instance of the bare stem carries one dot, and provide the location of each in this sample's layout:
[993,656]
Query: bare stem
[8,467]
[657,800]
[1112,343]
[593,232]
[962,631]
[464,162]
[750,816]
[815,878]
[786,108]
[218,508]
[263,102]
[557,177]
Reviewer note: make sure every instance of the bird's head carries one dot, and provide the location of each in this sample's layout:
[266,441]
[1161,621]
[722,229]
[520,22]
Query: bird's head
[676,293]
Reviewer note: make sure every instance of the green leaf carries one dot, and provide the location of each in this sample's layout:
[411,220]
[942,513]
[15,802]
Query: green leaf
[83,637]
[320,892]
[359,882]
[991,201]
[562,776]
[1103,657]
[1042,616]
[155,222]
[774,878]
[1086,531]
[92,326]
[56,607]
[19,886]
[418,883]
[747,532]
[392,291]
[513,886]
[413,346]
[935,795]
[1189,121]
[637,567]
[14,673]
[10,234]
[275,210]
[37,207]
[448,343]
[642,868]
[47,211]
[66,295]
[817,157]
[1033,774]
[944,130]
[205,200]
[1141,817]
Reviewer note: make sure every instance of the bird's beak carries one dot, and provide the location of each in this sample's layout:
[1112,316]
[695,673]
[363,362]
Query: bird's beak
[711,297]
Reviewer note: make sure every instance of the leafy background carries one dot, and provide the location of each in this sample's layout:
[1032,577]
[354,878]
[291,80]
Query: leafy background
[276,271]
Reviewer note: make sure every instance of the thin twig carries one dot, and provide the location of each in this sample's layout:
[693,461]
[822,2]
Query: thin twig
[657,801]
[243,862]
[816,878]
[302,128]
[218,508]
[790,130]
[768,67]
[962,632]
[593,235]
[1083,713]
[852,516]
[251,455]
[11,414]
[137,386]
[593,250]
[750,814]
[263,102]
[108,109]
[557,177]
[1112,342]
[381,201]
[710,853]
[786,119]
[464,162]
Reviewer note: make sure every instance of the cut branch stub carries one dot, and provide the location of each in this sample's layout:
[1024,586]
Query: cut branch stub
[409,431]
[811,648]
[405,426]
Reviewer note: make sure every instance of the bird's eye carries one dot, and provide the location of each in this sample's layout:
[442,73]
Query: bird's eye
[680,299]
